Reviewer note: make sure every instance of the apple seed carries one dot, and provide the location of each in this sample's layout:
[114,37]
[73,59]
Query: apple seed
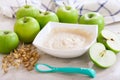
[102,53]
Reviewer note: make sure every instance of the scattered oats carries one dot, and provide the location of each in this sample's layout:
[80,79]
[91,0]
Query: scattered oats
[26,55]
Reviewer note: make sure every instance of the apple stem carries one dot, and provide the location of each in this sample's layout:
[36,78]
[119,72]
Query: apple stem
[102,53]
[64,4]
[40,11]
[25,20]
[48,6]
[46,10]
[6,32]
[25,2]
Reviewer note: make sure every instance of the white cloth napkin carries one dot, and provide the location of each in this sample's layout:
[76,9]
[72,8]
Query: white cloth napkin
[8,8]
[110,9]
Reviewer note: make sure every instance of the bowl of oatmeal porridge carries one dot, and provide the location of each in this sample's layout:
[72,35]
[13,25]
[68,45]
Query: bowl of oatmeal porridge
[66,40]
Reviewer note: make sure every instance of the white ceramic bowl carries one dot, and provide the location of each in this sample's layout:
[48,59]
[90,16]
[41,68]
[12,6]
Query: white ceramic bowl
[91,30]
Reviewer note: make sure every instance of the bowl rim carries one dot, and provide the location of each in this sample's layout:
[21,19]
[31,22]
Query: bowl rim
[66,50]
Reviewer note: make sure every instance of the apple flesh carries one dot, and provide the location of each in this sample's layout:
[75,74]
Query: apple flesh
[26,28]
[93,18]
[67,14]
[110,40]
[8,41]
[102,57]
[44,17]
[27,10]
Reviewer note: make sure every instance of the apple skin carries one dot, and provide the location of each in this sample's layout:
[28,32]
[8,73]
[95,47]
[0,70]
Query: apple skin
[8,41]
[67,14]
[44,17]
[26,28]
[101,39]
[93,18]
[27,10]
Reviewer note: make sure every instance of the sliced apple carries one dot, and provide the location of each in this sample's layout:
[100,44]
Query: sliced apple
[110,40]
[102,57]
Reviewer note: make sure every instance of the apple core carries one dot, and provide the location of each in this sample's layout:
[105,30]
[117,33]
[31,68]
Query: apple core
[103,53]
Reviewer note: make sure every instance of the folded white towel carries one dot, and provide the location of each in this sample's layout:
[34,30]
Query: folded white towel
[8,8]
[110,9]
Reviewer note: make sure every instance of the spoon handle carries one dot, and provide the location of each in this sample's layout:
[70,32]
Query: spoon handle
[86,71]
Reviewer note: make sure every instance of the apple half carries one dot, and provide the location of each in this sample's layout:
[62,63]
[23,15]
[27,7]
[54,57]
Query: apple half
[110,40]
[100,56]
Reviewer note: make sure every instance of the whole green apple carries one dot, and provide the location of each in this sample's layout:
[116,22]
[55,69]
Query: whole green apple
[44,17]
[8,41]
[67,14]
[26,28]
[27,10]
[93,18]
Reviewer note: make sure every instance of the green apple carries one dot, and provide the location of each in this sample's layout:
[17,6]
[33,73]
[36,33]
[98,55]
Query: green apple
[26,28]
[27,10]
[67,14]
[93,18]
[8,41]
[100,56]
[110,39]
[44,17]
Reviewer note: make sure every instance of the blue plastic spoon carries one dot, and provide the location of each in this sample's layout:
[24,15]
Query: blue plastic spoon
[46,68]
